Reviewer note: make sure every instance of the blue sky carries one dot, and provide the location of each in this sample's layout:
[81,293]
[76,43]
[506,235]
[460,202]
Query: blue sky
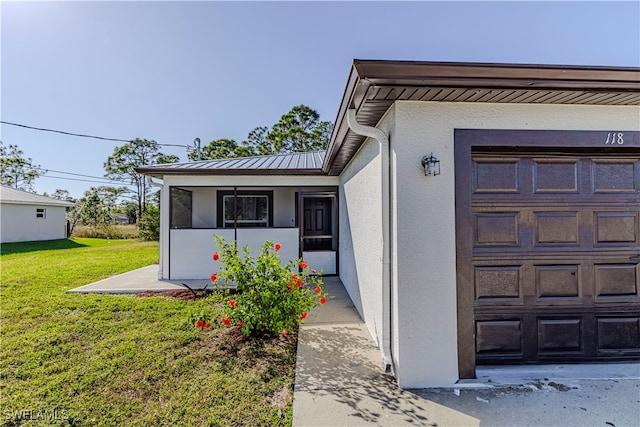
[174,71]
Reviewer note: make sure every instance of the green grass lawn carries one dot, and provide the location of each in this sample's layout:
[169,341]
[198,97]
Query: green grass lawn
[72,359]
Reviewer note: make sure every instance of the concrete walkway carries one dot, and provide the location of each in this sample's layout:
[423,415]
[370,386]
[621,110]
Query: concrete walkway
[140,280]
[339,379]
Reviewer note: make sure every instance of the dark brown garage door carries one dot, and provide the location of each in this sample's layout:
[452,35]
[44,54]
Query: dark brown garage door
[553,249]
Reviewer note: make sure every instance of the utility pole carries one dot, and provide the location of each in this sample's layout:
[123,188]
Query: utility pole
[196,143]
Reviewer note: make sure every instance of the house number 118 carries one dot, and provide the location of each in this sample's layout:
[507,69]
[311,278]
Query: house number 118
[614,138]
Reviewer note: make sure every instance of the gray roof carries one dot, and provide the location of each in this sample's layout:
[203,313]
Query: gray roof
[11,195]
[308,163]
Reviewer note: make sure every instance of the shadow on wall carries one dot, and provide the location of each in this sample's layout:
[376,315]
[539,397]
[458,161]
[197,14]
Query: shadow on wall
[349,277]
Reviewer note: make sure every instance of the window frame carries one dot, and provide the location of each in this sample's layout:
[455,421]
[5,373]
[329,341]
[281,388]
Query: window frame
[222,222]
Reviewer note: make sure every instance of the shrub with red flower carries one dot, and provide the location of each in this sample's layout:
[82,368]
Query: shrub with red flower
[271,297]
[201,320]
[216,256]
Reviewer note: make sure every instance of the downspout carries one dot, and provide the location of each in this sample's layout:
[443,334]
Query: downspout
[152,183]
[383,139]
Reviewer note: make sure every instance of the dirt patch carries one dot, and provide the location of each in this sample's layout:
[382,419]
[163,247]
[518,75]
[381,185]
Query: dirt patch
[177,294]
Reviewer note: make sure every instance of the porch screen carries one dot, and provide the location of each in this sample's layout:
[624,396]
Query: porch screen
[244,209]
[181,206]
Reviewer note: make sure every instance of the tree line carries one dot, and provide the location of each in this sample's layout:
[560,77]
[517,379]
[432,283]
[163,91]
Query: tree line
[299,130]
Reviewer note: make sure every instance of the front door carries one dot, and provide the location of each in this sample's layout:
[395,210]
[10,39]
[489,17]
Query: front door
[318,237]
[317,224]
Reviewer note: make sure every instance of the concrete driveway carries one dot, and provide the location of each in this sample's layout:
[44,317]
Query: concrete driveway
[339,382]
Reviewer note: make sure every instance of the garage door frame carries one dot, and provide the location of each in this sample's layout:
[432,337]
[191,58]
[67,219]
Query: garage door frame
[601,142]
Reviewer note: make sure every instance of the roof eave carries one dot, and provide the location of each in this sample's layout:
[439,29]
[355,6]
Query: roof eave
[160,172]
[367,76]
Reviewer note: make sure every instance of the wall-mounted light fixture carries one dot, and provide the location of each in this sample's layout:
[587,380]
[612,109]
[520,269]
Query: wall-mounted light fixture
[431,165]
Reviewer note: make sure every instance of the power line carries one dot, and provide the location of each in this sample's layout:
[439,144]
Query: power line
[84,135]
[76,179]
[86,176]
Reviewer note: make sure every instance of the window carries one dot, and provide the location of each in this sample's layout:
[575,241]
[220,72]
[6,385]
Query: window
[245,209]
[41,213]
[181,206]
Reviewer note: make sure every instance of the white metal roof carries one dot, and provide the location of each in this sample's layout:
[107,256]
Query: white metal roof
[19,197]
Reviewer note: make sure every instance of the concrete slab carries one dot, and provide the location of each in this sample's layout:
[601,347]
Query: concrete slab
[339,382]
[141,280]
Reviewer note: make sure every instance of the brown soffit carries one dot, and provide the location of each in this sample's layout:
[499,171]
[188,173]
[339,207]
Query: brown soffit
[373,86]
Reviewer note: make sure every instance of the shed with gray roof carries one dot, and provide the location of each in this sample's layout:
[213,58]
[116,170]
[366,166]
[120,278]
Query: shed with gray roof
[28,217]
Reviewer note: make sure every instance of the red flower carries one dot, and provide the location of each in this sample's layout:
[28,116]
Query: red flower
[303,315]
[277,246]
[214,277]
[299,283]
[313,271]
[216,256]
[294,277]
[323,300]
[290,286]
[284,333]
[199,324]
[207,325]
[240,324]
[225,320]
[318,290]
[232,303]
[303,265]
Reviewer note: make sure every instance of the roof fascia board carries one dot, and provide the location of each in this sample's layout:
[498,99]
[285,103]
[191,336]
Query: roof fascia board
[496,75]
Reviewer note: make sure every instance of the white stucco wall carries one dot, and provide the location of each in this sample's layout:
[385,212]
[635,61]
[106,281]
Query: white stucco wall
[360,233]
[192,250]
[424,329]
[20,224]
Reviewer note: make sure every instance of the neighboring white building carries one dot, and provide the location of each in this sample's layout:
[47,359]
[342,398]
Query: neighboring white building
[26,217]
[523,249]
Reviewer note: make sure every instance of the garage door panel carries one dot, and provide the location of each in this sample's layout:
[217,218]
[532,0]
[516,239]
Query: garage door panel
[498,284]
[495,176]
[616,280]
[615,176]
[556,228]
[493,229]
[556,335]
[552,176]
[499,337]
[555,282]
[616,228]
[618,335]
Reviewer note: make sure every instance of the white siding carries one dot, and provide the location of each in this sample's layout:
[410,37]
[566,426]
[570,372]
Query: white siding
[425,330]
[20,224]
